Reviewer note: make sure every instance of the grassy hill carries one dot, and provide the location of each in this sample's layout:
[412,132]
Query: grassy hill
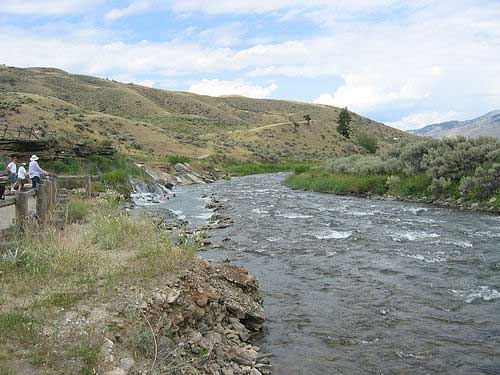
[150,123]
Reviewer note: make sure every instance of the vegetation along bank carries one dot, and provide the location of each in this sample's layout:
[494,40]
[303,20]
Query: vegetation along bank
[457,172]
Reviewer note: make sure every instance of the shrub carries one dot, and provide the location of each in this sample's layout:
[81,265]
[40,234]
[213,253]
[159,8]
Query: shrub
[105,143]
[393,183]
[414,186]
[65,166]
[440,186]
[338,183]
[174,159]
[356,164]
[115,178]
[484,182]
[368,142]
[444,167]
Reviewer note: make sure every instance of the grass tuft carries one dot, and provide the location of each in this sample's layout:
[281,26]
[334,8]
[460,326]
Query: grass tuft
[16,324]
[77,210]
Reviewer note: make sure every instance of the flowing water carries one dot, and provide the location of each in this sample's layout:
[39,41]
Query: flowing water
[359,286]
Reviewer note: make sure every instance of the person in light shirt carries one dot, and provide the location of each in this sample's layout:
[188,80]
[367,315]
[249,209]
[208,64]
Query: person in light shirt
[12,171]
[35,172]
[21,177]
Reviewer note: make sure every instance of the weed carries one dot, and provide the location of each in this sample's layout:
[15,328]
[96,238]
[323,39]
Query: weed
[60,299]
[89,355]
[77,210]
[16,324]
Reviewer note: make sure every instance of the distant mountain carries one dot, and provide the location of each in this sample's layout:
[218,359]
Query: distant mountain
[487,125]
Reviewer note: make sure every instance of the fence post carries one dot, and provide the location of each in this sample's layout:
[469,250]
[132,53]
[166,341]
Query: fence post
[41,201]
[55,188]
[88,186]
[22,210]
[50,192]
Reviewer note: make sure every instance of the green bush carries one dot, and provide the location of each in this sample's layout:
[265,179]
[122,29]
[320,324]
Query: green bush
[414,186]
[174,159]
[393,183]
[483,184]
[65,166]
[338,183]
[357,164]
[105,143]
[368,142]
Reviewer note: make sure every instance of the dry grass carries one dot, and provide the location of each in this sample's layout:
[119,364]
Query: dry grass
[47,275]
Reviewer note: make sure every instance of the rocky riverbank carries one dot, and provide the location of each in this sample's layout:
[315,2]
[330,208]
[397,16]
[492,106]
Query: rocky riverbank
[200,322]
[208,316]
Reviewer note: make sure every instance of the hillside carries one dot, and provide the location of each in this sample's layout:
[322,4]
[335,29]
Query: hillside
[487,125]
[149,123]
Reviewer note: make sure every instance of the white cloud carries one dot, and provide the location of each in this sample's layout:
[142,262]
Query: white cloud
[216,87]
[421,119]
[46,7]
[364,94]
[135,7]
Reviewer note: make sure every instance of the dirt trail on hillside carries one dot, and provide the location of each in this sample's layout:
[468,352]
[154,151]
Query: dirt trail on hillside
[253,130]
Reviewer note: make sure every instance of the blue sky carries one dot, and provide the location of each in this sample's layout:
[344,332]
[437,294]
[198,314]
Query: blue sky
[405,63]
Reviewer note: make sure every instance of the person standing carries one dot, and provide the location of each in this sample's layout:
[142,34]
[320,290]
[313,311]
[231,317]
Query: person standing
[21,177]
[35,172]
[12,171]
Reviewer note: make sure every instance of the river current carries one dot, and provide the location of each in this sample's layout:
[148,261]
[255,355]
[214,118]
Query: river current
[360,286]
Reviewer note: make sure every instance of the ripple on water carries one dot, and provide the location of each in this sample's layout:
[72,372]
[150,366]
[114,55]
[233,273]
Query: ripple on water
[459,243]
[481,292]
[260,211]
[332,234]
[274,239]
[415,210]
[294,216]
[413,236]
[429,258]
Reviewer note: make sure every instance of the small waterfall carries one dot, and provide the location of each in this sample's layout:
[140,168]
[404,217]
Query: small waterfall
[146,193]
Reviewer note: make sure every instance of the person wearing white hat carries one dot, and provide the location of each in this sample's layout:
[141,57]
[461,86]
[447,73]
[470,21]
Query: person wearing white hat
[34,171]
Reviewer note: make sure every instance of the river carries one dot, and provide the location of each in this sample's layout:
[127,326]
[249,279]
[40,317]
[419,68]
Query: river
[360,286]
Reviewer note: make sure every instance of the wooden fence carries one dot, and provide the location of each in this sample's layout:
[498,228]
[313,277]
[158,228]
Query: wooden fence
[46,196]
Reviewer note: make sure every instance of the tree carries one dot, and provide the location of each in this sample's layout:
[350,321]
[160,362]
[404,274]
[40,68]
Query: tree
[344,121]
[308,119]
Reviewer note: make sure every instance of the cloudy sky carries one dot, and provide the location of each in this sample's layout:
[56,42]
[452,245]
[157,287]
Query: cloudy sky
[406,63]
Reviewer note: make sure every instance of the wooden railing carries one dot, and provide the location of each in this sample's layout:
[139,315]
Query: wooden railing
[23,132]
[46,196]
